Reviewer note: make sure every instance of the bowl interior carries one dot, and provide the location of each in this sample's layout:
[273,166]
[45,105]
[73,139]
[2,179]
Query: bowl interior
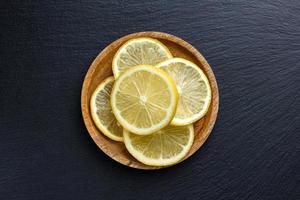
[101,69]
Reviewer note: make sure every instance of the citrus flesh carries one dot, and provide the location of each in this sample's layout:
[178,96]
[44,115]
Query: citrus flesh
[144,99]
[165,147]
[139,51]
[193,88]
[102,113]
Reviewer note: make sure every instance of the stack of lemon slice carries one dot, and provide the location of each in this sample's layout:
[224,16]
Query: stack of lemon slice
[151,102]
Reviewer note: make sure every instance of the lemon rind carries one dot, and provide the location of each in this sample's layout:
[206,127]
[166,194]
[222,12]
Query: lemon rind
[172,110]
[115,69]
[159,162]
[196,117]
[95,118]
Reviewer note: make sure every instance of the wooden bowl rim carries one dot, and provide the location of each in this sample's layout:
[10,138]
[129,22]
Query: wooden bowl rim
[156,35]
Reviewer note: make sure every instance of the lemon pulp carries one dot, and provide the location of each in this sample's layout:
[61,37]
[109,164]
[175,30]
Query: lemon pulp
[144,99]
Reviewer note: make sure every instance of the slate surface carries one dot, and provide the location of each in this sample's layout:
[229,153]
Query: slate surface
[253,48]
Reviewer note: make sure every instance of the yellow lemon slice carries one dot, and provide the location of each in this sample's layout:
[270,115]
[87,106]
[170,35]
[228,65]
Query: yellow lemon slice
[140,51]
[102,113]
[165,147]
[144,99]
[193,88]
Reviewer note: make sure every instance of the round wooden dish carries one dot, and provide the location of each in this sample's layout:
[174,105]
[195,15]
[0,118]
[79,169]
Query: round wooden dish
[101,68]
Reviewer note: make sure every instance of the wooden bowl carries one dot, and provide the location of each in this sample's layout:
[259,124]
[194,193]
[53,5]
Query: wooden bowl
[101,68]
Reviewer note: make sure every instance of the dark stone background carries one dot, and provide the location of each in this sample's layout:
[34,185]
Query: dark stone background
[46,48]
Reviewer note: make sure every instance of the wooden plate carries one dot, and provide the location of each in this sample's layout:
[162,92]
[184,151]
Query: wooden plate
[101,68]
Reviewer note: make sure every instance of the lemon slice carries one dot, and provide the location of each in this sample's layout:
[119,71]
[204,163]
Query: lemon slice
[140,51]
[165,147]
[102,113]
[193,88]
[144,99]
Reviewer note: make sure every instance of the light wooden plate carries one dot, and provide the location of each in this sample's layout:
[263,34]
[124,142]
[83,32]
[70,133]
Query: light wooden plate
[101,68]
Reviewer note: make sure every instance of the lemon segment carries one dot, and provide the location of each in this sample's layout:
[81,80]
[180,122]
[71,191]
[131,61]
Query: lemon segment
[193,88]
[144,99]
[102,113]
[165,147]
[139,51]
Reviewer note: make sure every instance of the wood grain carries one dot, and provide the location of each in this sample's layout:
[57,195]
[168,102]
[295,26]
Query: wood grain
[101,68]
[47,47]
